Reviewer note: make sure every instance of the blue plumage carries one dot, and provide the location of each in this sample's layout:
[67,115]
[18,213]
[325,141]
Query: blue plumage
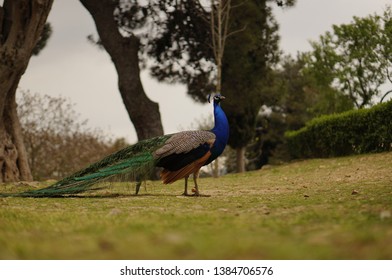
[221,130]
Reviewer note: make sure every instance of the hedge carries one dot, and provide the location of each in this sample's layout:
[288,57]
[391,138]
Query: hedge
[351,132]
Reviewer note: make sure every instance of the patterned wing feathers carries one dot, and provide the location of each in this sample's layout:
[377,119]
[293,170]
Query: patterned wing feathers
[184,142]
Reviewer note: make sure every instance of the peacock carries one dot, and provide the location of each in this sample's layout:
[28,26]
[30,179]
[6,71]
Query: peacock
[179,155]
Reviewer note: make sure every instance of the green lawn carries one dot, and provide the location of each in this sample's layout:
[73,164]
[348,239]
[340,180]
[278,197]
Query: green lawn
[316,209]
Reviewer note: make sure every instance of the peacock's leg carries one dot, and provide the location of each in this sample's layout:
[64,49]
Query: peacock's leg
[186,186]
[195,190]
[195,177]
[138,184]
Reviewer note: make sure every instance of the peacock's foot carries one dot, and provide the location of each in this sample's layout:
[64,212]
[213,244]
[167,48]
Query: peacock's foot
[196,194]
[193,194]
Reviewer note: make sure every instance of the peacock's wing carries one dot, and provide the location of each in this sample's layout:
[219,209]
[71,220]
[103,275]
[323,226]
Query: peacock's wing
[184,153]
[135,162]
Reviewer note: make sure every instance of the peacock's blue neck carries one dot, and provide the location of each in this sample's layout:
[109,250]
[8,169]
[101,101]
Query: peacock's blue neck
[221,130]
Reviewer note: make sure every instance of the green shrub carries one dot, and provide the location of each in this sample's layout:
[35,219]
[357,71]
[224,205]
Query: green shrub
[351,132]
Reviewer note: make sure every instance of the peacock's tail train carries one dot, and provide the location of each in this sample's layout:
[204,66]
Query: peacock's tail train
[135,162]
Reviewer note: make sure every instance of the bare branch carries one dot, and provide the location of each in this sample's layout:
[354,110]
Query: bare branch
[388,75]
[237,31]
[220,25]
[385,95]
[239,4]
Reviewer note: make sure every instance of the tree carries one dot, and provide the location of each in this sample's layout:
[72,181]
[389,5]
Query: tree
[220,13]
[299,98]
[355,58]
[117,23]
[246,68]
[302,97]
[181,48]
[22,23]
[50,126]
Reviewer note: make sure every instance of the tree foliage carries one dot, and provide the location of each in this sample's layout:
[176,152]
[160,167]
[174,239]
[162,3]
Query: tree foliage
[57,141]
[355,58]
[43,39]
[302,97]
[247,62]
[247,71]
[299,98]
[181,49]
[181,45]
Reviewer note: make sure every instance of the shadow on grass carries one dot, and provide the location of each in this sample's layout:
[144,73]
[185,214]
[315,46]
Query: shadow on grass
[117,195]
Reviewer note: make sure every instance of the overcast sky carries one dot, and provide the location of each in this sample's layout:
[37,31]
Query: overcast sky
[71,67]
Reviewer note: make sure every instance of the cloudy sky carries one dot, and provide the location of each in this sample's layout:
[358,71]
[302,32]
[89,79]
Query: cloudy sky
[73,68]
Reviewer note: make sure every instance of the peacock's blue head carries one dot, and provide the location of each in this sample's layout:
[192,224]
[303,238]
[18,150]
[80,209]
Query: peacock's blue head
[217,98]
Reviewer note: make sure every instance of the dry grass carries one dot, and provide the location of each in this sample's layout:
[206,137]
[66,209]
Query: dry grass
[316,209]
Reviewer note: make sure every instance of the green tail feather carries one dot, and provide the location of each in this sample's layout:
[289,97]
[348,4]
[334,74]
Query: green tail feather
[136,162]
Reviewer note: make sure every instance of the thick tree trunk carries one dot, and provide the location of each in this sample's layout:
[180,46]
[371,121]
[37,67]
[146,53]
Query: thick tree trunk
[13,156]
[123,51]
[21,24]
[241,159]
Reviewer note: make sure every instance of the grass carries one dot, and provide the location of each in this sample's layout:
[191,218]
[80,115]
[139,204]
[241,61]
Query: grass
[315,209]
